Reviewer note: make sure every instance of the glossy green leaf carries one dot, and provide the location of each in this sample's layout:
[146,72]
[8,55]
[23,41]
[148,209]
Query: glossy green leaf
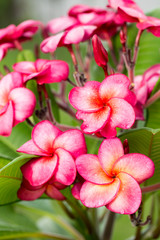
[25,55]
[153,115]
[146,141]
[10,179]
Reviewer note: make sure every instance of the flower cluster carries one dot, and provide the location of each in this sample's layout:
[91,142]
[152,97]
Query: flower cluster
[107,106]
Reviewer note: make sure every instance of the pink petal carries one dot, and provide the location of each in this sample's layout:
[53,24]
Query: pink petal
[50,44]
[76,190]
[6,121]
[43,135]
[57,71]
[30,148]
[28,195]
[54,193]
[108,131]
[94,122]
[60,24]
[93,196]
[90,169]
[122,113]
[139,166]
[128,198]
[116,85]
[73,141]
[74,36]
[66,169]
[25,67]
[110,150]
[86,98]
[24,102]
[7,83]
[39,170]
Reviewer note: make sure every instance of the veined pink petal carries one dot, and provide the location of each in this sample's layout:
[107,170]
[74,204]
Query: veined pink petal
[50,44]
[86,98]
[7,83]
[43,135]
[28,195]
[122,113]
[54,193]
[59,24]
[30,148]
[66,169]
[110,150]
[108,131]
[116,85]
[6,121]
[73,141]
[24,103]
[76,190]
[90,169]
[139,166]
[128,198]
[57,71]
[39,170]
[25,67]
[94,122]
[74,35]
[92,195]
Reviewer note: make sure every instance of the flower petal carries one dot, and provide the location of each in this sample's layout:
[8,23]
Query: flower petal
[43,135]
[94,122]
[110,150]
[76,190]
[139,166]
[54,193]
[66,169]
[116,85]
[129,196]
[6,121]
[86,98]
[122,113]
[92,195]
[50,44]
[24,102]
[73,141]
[90,169]
[30,148]
[25,67]
[39,170]
[28,195]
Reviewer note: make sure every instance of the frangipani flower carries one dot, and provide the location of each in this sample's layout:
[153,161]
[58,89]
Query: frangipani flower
[28,193]
[104,106]
[16,102]
[57,151]
[144,84]
[76,34]
[112,179]
[44,71]
[12,35]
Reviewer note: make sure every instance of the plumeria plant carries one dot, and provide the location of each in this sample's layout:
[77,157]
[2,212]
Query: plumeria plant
[80,126]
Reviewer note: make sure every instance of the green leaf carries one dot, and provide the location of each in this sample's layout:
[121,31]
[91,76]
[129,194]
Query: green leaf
[146,141]
[25,55]
[153,115]
[10,179]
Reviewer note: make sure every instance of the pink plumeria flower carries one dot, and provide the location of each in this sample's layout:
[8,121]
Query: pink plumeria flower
[104,106]
[127,10]
[151,24]
[57,151]
[60,24]
[44,71]
[112,179]
[144,84]
[16,102]
[74,35]
[29,193]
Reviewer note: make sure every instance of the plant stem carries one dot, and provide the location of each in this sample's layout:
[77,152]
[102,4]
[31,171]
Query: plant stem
[151,188]
[107,235]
